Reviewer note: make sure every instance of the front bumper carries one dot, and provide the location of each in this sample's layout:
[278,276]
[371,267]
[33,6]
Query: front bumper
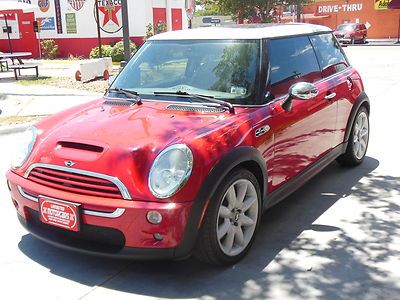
[109,227]
[344,40]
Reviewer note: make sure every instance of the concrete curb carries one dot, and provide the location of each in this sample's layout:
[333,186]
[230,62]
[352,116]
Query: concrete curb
[9,129]
[371,45]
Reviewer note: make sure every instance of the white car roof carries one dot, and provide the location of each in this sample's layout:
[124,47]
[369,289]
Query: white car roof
[253,31]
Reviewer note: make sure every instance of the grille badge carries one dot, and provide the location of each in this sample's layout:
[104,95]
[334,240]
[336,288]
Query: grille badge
[69,163]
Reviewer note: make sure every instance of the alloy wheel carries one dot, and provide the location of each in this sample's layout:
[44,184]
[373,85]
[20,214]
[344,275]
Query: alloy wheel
[237,217]
[360,135]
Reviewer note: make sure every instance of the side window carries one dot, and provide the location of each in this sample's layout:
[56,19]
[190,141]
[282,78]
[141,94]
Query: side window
[329,53]
[291,60]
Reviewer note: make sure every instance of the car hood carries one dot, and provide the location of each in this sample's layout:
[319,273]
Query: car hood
[123,141]
[343,32]
[127,126]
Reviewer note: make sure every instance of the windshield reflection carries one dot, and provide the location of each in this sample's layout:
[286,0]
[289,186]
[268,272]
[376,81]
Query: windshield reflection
[224,69]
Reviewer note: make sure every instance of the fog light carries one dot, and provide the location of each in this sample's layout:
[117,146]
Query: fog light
[158,237]
[154,217]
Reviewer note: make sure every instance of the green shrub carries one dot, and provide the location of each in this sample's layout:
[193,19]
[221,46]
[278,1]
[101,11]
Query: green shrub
[160,27]
[106,51]
[117,52]
[49,49]
[149,32]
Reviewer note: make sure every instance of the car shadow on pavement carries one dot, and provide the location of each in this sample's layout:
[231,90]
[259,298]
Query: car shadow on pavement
[284,262]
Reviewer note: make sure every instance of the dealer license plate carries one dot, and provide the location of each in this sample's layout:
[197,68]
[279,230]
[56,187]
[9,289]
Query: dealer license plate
[59,213]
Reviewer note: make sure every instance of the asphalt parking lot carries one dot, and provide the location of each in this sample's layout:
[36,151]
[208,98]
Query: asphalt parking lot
[338,237]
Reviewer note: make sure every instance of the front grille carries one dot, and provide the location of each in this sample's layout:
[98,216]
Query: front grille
[74,183]
[339,35]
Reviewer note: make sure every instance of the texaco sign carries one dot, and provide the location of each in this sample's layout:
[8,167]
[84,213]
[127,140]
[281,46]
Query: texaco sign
[110,15]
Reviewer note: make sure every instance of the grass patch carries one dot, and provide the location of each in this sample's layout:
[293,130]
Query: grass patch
[98,85]
[35,80]
[9,120]
[60,62]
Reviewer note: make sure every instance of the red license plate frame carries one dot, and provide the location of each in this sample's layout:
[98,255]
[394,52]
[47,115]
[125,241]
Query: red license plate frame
[60,213]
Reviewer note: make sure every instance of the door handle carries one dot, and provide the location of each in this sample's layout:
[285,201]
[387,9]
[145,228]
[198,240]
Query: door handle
[330,96]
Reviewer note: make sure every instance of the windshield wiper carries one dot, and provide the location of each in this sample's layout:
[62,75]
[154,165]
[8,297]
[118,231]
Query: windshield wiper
[199,96]
[132,95]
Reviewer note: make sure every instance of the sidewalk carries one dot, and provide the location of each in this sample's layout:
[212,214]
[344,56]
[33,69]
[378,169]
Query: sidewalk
[377,42]
[36,100]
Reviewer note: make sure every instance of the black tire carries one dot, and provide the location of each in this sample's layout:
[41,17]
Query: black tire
[349,158]
[207,247]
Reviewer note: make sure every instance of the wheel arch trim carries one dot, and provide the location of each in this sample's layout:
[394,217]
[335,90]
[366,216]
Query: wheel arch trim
[361,100]
[233,159]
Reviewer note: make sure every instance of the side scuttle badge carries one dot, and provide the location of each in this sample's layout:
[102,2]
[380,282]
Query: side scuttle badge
[262,130]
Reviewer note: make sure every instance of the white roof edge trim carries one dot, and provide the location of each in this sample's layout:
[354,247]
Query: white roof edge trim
[241,32]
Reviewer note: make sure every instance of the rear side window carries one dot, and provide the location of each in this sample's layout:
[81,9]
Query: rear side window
[329,53]
[291,60]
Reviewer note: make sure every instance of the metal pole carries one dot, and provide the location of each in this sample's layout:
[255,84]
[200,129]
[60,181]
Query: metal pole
[398,33]
[40,48]
[125,30]
[8,34]
[96,4]
[298,10]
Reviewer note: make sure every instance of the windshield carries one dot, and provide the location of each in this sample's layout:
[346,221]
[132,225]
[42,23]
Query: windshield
[224,69]
[345,27]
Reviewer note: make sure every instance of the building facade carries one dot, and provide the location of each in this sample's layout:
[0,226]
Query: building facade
[381,21]
[72,24]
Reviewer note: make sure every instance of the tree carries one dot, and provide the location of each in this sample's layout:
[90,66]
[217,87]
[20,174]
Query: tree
[256,11]
[209,8]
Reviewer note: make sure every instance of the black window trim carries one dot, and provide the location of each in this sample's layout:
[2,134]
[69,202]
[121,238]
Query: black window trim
[266,83]
[341,51]
[266,65]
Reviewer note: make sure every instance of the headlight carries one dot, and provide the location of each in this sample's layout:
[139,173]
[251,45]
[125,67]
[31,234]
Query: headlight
[170,170]
[24,145]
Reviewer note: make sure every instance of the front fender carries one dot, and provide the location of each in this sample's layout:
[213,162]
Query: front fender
[245,155]
[362,99]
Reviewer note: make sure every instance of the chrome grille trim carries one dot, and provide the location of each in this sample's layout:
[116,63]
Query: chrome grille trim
[115,214]
[122,188]
[27,196]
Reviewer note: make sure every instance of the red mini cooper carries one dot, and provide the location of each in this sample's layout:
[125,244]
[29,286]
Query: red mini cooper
[201,132]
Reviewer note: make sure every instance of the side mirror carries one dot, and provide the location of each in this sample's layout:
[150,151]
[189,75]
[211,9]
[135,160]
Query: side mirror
[111,79]
[299,91]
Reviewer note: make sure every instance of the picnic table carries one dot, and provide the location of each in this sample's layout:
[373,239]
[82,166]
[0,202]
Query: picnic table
[15,55]
[17,67]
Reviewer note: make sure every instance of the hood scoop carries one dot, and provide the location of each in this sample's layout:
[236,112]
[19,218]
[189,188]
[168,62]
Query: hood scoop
[189,108]
[80,146]
[112,102]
